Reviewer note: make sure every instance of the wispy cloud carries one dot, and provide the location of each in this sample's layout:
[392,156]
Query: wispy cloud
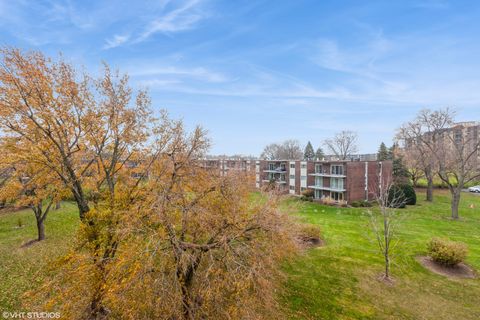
[360,60]
[199,73]
[171,18]
[182,18]
[116,41]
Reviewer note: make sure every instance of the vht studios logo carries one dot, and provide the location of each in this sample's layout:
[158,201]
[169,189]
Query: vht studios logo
[30,315]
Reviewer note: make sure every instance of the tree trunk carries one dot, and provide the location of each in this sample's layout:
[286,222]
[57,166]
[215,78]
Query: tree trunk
[455,203]
[387,245]
[40,229]
[82,205]
[40,217]
[429,177]
[387,266]
[430,189]
[186,280]
[80,199]
[57,205]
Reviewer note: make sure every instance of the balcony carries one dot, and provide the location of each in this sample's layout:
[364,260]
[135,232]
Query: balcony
[276,181]
[275,170]
[335,189]
[326,174]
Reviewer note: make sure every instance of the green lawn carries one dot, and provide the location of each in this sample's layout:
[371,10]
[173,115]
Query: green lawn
[23,269]
[338,281]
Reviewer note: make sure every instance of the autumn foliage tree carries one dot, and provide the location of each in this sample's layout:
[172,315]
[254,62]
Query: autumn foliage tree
[160,237]
[85,133]
[47,107]
[190,245]
[28,184]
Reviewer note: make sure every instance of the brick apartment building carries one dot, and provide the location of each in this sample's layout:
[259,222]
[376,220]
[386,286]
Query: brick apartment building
[468,134]
[465,135]
[336,179]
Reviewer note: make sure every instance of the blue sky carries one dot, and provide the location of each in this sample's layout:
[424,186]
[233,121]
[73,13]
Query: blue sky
[255,72]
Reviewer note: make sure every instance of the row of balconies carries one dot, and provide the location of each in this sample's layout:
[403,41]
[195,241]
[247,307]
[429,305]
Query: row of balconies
[331,188]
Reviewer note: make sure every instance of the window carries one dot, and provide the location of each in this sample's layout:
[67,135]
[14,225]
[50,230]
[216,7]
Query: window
[303,178]
[318,181]
[292,165]
[337,169]
[271,166]
[318,194]
[292,176]
[303,189]
[336,183]
[318,168]
[292,187]
[458,137]
[303,166]
[337,196]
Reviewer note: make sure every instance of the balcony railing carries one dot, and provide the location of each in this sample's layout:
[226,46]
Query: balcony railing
[275,170]
[279,181]
[336,189]
[327,174]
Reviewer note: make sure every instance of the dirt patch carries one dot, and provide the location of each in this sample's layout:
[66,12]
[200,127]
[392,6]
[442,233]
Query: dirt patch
[7,210]
[388,281]
[460,271]
[310,242]
[29,243]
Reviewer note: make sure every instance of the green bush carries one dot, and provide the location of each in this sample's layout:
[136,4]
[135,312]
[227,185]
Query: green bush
[403,194]
[307,193]
[356,204]
[366,204]
[410,195]
[305,198]
[361,204]
[447,252]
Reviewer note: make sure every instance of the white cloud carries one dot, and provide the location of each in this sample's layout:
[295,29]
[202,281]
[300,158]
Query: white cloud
[116,41]
[197,73]
[169,20]
[179,19]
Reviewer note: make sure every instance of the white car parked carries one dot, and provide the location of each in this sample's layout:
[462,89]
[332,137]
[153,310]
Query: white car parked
[474,189]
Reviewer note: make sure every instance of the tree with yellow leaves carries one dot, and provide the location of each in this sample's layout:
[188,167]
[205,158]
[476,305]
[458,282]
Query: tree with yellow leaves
[160,237]
[88,134]
[28,184]
[191,245]
[46,107]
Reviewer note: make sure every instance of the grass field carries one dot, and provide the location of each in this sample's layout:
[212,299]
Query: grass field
[23,269]
[337,281]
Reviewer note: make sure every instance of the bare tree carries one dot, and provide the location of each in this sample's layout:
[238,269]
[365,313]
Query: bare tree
[343,144]
[415,165]
[384,223]
[271,152]
[419,150]
[457,163]
[287,150]
[291,150]
[450,149]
